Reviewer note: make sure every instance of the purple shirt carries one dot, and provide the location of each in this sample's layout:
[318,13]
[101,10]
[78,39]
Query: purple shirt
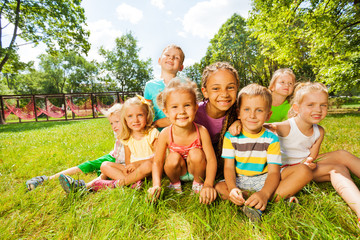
[213,125]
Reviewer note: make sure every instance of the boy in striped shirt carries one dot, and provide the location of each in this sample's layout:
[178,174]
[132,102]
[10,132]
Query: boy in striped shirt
[252,158]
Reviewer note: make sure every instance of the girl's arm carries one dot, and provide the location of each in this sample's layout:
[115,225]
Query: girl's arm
[127,155]
[208,192]
[259,199]
[235,194]
[235,128]
[314,150]
[158,164]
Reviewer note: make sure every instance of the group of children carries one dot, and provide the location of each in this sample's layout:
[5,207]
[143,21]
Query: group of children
[223,136]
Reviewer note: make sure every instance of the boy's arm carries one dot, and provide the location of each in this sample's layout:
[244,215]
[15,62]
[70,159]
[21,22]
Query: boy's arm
[208,192]
[235,194]
[259,199]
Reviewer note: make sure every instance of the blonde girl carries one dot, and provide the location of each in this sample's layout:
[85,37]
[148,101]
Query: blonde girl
[219,86]
[281,86]
[139,139]
[191,156]
[300,139]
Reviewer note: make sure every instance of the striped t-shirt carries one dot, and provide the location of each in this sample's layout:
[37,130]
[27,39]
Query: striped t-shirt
[252,152]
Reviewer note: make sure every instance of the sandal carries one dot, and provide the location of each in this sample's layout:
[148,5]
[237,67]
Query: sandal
[35,181]
[137,185]
[252,213]
[71,185]
[293,201]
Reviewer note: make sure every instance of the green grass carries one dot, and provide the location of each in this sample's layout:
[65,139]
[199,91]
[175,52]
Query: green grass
[33,149]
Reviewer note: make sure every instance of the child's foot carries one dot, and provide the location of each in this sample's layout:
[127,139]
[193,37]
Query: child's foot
[71,185]
[137,185]
[35,181]
[252,213]
[196,187]
[176,187]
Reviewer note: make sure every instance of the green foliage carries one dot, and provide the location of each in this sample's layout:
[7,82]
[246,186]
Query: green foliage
[32,149]
[59,24]
[319,39]
[124,65]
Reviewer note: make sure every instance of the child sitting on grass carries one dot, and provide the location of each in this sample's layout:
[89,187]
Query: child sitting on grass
[139,139]
[191,156]
[253,159]
[116,155]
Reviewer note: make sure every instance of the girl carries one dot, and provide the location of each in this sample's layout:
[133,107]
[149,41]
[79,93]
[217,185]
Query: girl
[139,139]
[300,139]
[281,87]
[191,154]
[220,83]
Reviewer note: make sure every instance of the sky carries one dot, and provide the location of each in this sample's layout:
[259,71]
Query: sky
[191,24]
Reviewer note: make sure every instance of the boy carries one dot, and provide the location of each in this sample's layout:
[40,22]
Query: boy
[171,61]
[116,155]
[253,159]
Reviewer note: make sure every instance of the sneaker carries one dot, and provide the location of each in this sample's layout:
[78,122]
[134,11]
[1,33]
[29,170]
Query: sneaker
[175,187]
[252,213]
[71,185]
[197,187]
[137,185]
[35,181]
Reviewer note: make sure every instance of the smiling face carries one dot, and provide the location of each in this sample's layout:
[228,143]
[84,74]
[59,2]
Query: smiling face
[221,89]
[171,60]
[284,85]
[313,107]
[181,108]
[135,117]
[253,112]
[115,123]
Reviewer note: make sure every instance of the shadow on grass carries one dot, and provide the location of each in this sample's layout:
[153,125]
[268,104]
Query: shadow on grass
[342,115]
[20,127]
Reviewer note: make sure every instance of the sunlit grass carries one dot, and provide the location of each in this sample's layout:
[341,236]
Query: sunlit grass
[33,149]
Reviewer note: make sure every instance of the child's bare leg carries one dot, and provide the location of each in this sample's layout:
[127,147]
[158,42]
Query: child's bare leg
[113,170]
[342,157]
[174,167]
[142,171]
[293,179]
[222,190]
[342,182]
[197,164]
[69,171]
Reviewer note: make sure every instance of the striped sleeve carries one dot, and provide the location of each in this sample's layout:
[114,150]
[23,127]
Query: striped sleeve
[228,150]
[273,152]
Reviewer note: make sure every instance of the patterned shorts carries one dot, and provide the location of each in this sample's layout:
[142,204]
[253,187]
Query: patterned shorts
[251,183]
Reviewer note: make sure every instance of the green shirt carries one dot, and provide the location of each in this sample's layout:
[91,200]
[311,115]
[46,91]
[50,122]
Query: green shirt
[279,113]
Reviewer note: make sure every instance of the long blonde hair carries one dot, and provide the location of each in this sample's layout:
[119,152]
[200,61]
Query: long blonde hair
[140,101]
[114,110]
[303,88]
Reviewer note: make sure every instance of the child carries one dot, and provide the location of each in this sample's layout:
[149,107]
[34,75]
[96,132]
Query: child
[170,61]
[253,160]
[220,83]
[139,139]
[116,155]
[191,156]
[281,87]
[301,137]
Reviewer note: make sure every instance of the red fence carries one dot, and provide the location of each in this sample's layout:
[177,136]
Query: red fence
[57,106]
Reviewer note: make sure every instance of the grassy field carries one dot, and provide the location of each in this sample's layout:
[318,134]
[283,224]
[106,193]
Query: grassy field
[33,149]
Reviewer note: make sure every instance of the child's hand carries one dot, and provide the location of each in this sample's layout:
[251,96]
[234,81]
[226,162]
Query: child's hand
[235,128]
[271,127]
[130,168]
[257,200]
[310,163]
[236,196]
[154,193]
[207,195]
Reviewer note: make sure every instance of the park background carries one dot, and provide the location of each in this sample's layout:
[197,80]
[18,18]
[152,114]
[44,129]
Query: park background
[319,40]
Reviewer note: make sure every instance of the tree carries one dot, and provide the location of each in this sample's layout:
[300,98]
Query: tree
[67,72]
[56,23]
[320,38]
[123,64]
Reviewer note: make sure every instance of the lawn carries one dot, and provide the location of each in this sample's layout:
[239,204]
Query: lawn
[44,148]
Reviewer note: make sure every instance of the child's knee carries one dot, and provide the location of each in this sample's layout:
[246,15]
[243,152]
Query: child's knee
[105,165]
[196,156]
[173,160]
[222,190]
[147,167]
[306,172]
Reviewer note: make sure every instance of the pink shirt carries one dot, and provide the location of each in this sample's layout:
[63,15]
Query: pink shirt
[213,125]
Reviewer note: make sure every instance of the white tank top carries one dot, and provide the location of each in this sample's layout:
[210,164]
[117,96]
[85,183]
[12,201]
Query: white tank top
[296,146]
